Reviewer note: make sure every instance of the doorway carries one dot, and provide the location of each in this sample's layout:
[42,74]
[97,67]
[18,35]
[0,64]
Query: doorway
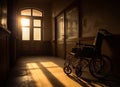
[30,32]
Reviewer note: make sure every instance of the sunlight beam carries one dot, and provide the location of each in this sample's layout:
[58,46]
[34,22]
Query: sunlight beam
[38,76]
[25,22]
[57,71]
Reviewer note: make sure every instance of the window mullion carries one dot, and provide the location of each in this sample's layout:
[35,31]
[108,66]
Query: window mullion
[31,29]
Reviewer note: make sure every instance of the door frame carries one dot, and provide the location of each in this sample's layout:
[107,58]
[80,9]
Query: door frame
[77,4]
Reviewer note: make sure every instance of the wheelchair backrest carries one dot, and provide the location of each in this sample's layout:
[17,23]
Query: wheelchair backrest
[99,38]
[98,41]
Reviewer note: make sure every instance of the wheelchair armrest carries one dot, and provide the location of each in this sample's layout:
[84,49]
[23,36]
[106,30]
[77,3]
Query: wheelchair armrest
[86,45]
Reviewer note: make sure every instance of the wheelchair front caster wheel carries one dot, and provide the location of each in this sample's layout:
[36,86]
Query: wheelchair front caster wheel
[67,70]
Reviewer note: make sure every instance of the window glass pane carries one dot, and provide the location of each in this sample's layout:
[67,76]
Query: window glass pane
[37,34]
[36,13]
[72,23]
[25,22]
[60,27]
[25,33]
[26,12]
[37,23]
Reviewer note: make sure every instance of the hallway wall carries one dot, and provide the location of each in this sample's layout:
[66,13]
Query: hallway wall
[4,42]
[100,14]
[4,54]
[103,14]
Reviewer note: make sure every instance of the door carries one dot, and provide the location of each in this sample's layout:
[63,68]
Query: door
[67,31]
[31,32]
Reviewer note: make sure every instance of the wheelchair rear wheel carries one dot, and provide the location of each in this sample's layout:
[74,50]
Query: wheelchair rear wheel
[78,71]
[100,67]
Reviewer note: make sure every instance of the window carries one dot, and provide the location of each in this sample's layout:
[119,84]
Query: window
[31,24]
[26,12]
[72,23]
[60,27]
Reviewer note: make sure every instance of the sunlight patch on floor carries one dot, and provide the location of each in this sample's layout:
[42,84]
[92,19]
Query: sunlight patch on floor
[38,76]
[59,74]
[41,80]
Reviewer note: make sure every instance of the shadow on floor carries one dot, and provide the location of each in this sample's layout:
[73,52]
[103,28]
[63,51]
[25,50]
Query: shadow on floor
[95,83]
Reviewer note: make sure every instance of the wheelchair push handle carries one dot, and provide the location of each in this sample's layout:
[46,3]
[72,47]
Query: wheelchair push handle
[105,32]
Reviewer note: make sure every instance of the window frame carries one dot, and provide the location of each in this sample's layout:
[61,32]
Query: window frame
[32,18]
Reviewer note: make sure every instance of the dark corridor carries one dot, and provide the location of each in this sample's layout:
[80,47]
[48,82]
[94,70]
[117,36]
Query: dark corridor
[51,28]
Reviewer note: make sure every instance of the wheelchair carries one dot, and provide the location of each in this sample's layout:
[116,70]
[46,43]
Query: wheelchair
[85,55]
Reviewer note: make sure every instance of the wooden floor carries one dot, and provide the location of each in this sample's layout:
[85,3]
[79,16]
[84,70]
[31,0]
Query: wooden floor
[44,71]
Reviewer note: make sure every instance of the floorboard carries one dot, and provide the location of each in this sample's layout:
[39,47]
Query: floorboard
[45,71]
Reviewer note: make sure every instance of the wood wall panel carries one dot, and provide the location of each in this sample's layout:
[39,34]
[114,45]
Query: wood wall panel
[35,48]
[4,54]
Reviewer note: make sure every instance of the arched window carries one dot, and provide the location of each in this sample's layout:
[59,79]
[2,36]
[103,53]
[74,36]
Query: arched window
[31,24]
[31,12]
